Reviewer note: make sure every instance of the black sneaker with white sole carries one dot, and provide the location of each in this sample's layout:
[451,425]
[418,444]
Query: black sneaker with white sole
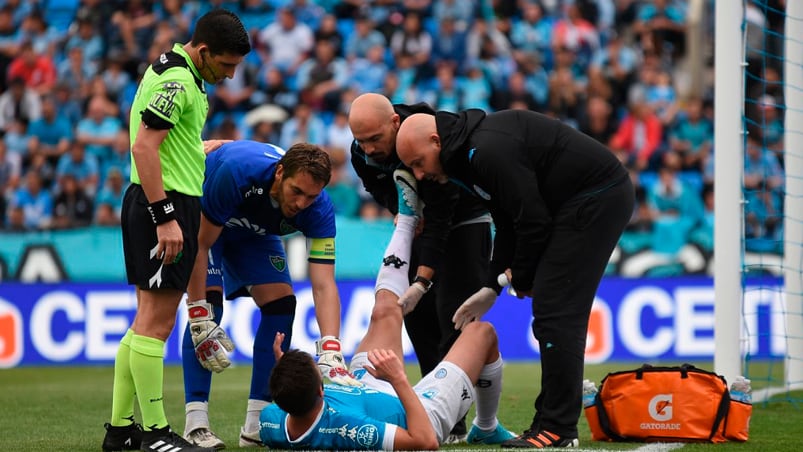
[128,437]
[166,440]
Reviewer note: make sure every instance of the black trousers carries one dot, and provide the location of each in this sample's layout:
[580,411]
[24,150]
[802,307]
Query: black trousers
[430,327]
[585,231]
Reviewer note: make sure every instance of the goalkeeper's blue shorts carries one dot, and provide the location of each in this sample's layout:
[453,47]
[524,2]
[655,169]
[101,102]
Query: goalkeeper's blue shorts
[238,262]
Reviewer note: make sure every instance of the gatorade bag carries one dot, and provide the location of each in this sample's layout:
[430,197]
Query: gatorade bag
[667,404]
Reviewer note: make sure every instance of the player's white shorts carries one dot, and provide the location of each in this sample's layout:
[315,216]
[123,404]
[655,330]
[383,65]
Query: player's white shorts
[446,393]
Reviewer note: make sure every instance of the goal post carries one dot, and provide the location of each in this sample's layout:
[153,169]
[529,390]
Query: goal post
[793,200]
[728,164]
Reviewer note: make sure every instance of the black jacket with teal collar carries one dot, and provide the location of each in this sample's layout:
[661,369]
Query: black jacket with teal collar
[445,205]
[525,165]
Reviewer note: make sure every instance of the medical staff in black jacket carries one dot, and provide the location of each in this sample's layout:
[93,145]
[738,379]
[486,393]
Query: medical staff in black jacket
[453,249]
[560,201]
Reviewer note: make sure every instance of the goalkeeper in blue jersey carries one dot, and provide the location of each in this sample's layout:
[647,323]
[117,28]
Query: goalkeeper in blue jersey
[387,413]
[254,193]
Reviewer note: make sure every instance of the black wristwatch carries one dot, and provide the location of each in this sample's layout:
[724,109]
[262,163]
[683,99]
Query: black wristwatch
[424,281]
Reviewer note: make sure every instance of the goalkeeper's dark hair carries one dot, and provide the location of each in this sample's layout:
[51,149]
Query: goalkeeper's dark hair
[223,32]
[307,158]
[295,383]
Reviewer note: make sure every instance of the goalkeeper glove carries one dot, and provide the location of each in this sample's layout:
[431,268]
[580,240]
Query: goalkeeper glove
[331,362]
[474,307]
[211,342]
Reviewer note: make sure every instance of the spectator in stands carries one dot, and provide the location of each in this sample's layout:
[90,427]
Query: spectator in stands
[532,35]
[120,158]
[66,103]
[660,95]
[43,38]
[445,94]
[47,173]
[72,207]
[303,126]
[661,27]
[9,43]
[321,78]
[475,89]
[18,141]
[52,133]
[308,13]
[338,133]
[19,102]
[414,41]
[639,135]
[692,136]
[15,221]
[81,165]
[676,208]
[596,119]
[612,69]
[9,177]
[37,70]
[458,12]
[76,72]
[449,46]
[179,15]
[367,75]
[327,31]
[98,128]
[35,201]
[574,32]
[276,91]
[363,38]
[134,24]
[771,124]
[490,47]
[285,43]
[566,85]
[516,92]
[109,201]
[763,185]
[341,188]
[86,36]
[237,94]
[115,76]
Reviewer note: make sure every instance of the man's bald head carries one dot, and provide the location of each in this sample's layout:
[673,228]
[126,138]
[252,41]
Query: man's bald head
[373,123]
[419,146]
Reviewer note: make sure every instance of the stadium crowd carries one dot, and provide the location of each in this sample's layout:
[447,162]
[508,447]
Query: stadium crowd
[614,69]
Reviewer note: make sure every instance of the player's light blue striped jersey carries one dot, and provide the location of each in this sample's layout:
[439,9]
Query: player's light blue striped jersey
[352,419]
[236,194]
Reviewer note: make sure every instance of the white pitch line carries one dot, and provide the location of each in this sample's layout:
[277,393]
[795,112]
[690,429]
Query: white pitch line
[659,447]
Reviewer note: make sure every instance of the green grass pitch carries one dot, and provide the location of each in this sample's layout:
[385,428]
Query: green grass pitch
[64,408]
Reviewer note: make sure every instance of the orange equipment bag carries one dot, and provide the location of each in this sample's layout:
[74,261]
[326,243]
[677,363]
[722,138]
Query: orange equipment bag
[667,404]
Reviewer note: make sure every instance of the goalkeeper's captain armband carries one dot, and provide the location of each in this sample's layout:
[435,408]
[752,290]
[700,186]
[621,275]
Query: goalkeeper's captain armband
[667,404]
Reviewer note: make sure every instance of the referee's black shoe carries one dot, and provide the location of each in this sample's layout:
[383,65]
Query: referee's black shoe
[128,437]
[165,440]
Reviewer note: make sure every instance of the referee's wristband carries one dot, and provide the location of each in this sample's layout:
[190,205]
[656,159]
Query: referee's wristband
[162,211]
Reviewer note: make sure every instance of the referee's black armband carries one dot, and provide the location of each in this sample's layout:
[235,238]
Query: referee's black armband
[162,211]
[153,121]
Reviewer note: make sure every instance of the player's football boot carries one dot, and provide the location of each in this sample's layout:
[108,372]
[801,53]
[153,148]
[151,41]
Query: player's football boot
[205,438]
[496,436]
[250,439]
[539,439]
[164,440]
[407,190]
[128,437]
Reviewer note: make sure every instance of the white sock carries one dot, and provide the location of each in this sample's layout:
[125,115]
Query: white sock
[252,414]
[488,393]
[197,416]
[391,278]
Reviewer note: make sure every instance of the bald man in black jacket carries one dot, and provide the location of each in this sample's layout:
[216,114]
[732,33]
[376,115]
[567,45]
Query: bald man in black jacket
[560,201]
[450,254]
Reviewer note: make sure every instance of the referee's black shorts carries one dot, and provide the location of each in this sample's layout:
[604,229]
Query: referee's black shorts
[142,266]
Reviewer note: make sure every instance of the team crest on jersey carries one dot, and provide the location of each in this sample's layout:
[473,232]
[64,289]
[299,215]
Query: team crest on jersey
[441,373]
[278,262]
[367,436]
[483,194]
[286,228]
